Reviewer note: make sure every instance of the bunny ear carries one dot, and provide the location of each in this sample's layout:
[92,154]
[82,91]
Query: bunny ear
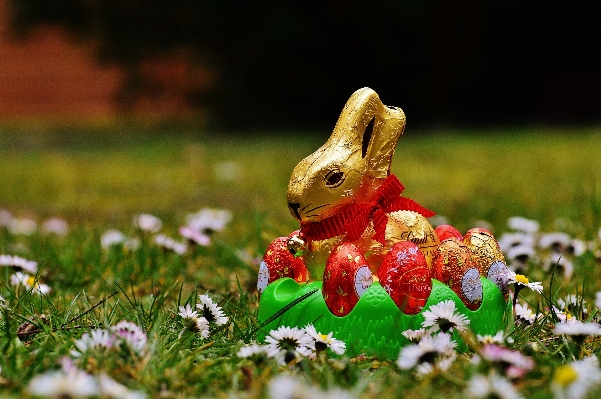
[382,134]
[369,129]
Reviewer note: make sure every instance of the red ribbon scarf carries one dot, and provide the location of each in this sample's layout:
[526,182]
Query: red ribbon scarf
[354,220]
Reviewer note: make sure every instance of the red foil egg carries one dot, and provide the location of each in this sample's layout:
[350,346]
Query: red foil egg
[453,266]
[445,231]
[405,275]
[278,262]
[346,277]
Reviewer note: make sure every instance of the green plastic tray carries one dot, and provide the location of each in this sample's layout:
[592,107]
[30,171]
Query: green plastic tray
[375,325]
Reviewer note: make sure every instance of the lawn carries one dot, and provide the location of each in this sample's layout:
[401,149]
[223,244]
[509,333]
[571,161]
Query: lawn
[99,178]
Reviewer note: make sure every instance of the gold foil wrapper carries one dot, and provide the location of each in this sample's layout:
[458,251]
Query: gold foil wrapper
[411,226]
[351,164]
[484,248]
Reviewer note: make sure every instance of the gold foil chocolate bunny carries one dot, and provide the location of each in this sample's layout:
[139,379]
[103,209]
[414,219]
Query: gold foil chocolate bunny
[344,191]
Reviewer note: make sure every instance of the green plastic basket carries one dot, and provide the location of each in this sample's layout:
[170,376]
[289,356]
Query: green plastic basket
[375,325]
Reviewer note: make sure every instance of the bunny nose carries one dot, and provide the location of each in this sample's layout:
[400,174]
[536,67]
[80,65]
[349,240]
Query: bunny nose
[295,207]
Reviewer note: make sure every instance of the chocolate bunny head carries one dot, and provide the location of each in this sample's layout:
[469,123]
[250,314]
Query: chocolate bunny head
[351,164]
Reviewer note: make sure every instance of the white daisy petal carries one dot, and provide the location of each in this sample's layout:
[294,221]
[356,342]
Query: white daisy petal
[442,317]
[211,311]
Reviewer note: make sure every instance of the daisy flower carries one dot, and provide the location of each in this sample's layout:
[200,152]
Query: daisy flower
[578,331]
[286,342]
[187,312]
[202,224]
[131,334]
[523,225]
[201,326]
[556,242]
[197,324]
[208,221]
[575,380]
[195,236]
[430,354]
[524,314]
[56,226]
[252,350]
[565,317]
[148,223]
[498,338]
[211,311]
[29,266]
[573,303]
[110,388]
[23,226]
[96,340]
[519,256]
[414,336]
[513,363]
[521,281]
[442,317]
[29,282]
[598,299]
[169,243]
[111,237]
[284,386]
[65,383]
[561,263]
[492,386]
[322,341]
[508,240]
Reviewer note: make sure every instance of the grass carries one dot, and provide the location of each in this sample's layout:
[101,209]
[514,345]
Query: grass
[98,178]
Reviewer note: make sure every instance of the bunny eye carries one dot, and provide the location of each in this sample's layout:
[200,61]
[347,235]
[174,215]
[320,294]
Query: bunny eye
[334,178]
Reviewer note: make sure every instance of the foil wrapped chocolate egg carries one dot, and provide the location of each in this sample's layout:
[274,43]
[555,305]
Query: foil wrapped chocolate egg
[346,277]
[278,263]
[452,265]
[488,258]
[445,231]
[411,226]
[405,275]
[484,248]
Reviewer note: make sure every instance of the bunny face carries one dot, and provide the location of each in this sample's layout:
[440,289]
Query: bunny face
[351,164]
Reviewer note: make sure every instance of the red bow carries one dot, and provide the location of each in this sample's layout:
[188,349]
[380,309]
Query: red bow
[354,220]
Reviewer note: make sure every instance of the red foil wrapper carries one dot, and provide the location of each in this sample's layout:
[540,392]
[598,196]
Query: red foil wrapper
[453,266]
[445,231]
[278,262]
[346,277]
[406,277]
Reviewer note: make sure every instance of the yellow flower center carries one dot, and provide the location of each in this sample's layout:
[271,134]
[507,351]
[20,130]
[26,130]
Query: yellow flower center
[323,337]
[520,278]
[31,281]
[565,375]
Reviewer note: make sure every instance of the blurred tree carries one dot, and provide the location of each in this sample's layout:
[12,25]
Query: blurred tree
[295,64]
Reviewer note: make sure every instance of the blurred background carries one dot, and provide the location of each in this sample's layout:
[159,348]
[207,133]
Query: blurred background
[287,64]
[110,108]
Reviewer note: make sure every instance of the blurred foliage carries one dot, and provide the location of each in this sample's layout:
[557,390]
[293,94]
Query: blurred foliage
[294,64]
[110,174]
